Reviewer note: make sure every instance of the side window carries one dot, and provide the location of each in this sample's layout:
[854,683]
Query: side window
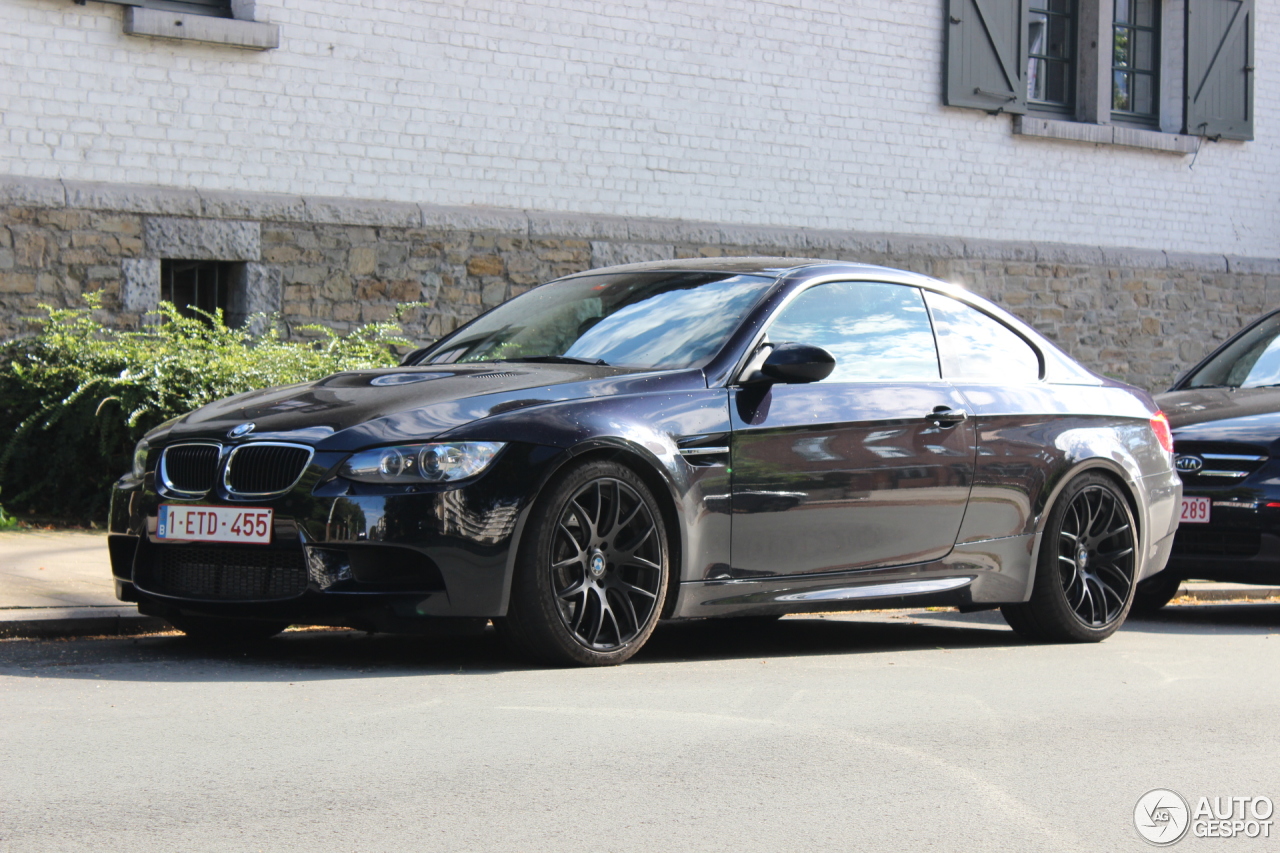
[876,331]
[975,346]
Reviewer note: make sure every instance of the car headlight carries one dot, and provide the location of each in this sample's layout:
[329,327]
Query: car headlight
[421,463]
[140,451]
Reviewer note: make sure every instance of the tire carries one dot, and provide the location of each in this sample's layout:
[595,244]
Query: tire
[592,572]
[1155,592]
[1084,575]
[220,631]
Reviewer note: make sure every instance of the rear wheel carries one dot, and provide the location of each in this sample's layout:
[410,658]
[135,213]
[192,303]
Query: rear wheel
[213,629]
[591,576]
[1084,576]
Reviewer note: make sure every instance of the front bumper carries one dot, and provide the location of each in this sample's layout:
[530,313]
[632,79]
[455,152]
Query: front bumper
[342,553]
[1240,544]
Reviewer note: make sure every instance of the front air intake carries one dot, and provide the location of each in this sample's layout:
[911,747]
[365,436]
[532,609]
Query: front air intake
[189,469]
[265,468]
[227,574]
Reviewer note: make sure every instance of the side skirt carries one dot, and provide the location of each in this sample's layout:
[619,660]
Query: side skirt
[994,571]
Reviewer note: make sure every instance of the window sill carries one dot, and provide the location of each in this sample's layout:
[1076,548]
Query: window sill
[1105,134]
[202,28]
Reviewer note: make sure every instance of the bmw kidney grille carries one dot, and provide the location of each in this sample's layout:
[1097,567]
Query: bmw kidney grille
[265,468]
[189,469]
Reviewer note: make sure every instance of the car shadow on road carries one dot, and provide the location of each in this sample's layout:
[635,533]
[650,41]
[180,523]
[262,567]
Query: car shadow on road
[1226,618]
[323,655]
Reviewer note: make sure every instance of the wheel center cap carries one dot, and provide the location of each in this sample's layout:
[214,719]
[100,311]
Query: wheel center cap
[1082,558]
[596,564]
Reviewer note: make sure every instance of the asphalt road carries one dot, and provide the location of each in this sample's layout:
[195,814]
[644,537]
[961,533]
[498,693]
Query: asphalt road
[895,732]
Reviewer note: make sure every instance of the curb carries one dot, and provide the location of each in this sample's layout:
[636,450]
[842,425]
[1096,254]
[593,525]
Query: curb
[1217,593]
[55,623]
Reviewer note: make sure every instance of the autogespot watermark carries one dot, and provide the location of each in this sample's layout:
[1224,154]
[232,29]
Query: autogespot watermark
[1163,817]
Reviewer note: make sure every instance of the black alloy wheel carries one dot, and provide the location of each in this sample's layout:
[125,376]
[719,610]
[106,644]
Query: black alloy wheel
[592,575]
[1085,574]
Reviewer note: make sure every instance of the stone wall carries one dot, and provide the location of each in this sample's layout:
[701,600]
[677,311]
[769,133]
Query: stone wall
[1140,315]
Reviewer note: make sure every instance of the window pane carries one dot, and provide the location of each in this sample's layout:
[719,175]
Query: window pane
[1144,50]
[875,331]
[1061,6]
[1122,54]
[1122,15]
[1056,84]
[1120,91]
[1144,13]
[1059,35]
[1143,94]
[975,346]
[1036,80]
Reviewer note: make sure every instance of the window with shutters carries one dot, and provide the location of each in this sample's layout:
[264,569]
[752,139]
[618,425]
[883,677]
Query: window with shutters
[1103,62]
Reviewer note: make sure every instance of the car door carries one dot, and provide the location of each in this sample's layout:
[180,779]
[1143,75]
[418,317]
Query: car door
[869,467]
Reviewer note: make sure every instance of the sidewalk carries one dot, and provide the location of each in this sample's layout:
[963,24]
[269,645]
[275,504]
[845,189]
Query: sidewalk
[58,584]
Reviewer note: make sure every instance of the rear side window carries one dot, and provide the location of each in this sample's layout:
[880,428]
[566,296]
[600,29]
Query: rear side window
[975,346]
[875,331]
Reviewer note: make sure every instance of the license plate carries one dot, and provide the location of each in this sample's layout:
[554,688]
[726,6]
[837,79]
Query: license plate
[1195,511]
[195,523]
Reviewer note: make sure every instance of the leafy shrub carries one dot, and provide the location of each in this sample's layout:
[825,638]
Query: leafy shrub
[78,395]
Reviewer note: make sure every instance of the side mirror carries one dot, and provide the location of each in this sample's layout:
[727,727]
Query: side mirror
[791,364]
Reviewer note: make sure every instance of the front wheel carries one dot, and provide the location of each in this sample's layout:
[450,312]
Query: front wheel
[591,575]
[1084,575]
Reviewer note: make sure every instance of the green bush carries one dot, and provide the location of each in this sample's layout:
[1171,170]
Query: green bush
[78,395]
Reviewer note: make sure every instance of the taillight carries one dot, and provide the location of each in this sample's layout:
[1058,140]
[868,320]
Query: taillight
[1164,435]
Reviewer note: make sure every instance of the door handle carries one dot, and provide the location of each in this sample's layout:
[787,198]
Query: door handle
[942,416]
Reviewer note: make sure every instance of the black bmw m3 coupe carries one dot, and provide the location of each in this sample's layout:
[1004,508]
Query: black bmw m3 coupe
[686,439]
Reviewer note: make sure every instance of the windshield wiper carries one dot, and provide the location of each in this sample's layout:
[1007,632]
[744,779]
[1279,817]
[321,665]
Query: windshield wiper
[557,359]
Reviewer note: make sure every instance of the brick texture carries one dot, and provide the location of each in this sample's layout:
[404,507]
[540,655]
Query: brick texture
[820,115]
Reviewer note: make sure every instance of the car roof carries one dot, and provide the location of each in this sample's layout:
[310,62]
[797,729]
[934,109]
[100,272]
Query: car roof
[754,265]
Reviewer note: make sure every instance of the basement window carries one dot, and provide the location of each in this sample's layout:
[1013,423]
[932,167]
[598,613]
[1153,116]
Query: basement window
[198,286]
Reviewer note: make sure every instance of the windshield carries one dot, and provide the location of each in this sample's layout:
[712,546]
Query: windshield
[1251,361]
[649,320]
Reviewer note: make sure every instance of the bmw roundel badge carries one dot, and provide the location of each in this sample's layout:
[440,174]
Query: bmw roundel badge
[238,431]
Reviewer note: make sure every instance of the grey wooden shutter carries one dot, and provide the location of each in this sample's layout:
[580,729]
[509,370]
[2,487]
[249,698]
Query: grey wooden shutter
[1219,95]
[987,55]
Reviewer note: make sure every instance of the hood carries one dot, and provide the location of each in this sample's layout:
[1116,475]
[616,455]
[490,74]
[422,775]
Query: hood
[351,410]
[1250,415]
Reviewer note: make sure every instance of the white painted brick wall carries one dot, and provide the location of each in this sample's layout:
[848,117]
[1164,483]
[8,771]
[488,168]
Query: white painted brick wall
[817,113]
